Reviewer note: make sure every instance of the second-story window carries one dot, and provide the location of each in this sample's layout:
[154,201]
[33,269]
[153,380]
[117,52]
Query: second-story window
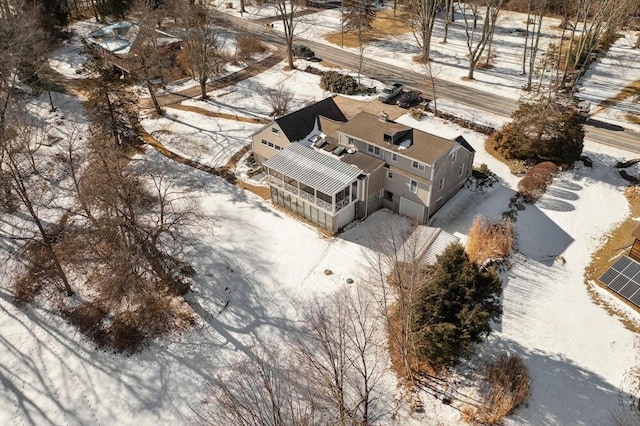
[275,131]
[461,170]
[441,185]
[372,149]
[394,157]
[350,141]
[454,155]
[417,165]
[389,174]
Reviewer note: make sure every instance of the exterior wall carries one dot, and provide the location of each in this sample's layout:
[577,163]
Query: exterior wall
[448,167]
[373,200]
[262,152]
[401,162]
[400,185]
[287,194]
[635,250]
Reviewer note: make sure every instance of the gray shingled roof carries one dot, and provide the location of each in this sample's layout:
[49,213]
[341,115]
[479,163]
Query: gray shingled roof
[315,169]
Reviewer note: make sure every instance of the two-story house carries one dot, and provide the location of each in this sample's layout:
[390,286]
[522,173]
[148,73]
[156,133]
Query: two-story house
[338,172]
[297,126]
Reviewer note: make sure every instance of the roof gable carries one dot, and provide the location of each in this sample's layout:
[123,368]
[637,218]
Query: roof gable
[298,124]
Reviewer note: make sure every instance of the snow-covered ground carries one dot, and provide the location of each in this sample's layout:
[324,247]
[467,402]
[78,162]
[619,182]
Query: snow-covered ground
[256,264]
[449,63]
[608,76]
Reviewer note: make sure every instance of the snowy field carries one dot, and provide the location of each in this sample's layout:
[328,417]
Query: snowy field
[607,77]
[256,265]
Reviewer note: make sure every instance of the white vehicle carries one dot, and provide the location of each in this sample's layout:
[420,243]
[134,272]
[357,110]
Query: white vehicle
[390,92]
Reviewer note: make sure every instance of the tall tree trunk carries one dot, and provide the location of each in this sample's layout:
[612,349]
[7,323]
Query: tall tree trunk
[526,39]
[154,98]
[24,193]
[534,48]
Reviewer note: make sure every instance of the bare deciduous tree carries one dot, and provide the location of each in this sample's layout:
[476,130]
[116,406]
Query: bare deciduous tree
[203,48]
[286,11]
[477,41]
[148,60]
[279,99]
[19,144]
[262,389]
[22,43]
[422,19]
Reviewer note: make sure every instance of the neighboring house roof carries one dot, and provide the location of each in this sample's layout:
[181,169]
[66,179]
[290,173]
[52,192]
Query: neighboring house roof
[364,162]
[299,124]
[425,147]
[119,38]
[318,170]
[116,38]
[425,244]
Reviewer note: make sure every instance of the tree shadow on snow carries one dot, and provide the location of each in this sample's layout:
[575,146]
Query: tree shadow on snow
[563,392]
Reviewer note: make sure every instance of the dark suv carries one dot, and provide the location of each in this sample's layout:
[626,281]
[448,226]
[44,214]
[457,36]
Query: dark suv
[409,98]
[303,52]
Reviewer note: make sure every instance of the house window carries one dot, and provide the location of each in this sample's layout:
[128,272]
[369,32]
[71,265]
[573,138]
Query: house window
[413,186]
[264,142]
[350,141]
[387,195]
[375,150]
[388,138]
[275,131]
[461,170]
[417,165]
[270,144]
[277,147]
[454,155]
[394,157]
[389,174]
[441,184]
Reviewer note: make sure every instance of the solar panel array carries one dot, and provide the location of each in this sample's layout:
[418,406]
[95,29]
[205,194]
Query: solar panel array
[624,278]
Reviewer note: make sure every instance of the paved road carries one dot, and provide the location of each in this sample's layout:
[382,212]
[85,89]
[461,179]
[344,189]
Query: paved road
[483,101]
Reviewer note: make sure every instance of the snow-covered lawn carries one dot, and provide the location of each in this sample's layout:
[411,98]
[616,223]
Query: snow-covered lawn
[246,97]
[211,141]
[608,77]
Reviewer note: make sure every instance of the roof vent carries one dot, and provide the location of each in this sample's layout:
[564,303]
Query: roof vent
[384,116]
[351,150]
[340,150]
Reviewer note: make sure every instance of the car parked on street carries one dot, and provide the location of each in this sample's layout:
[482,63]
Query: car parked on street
[389,92]
[303,52]
[408,99]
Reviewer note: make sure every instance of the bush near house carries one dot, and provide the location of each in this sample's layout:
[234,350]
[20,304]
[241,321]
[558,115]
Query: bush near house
[543,129]
[535,182]
[249,45]
[333,81]
[453,309]
[489,240]
[506,387]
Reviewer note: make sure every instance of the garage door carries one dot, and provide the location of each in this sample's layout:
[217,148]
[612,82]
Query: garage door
[412,209]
